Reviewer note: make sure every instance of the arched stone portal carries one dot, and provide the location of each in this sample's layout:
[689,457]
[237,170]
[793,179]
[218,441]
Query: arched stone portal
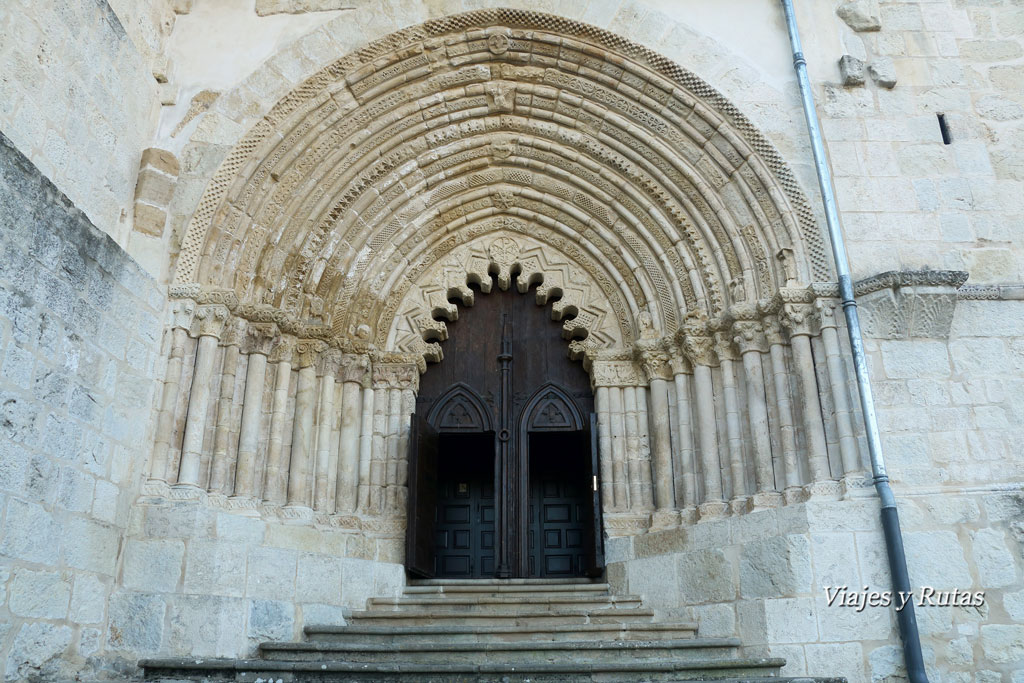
[347,225]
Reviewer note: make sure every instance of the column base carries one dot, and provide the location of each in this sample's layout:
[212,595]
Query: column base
[857,485]
[739,505]
[830,489]
[626,523]
[664,519]
[688,515]
[186,492]
[244,505]
[156,488]
[713,509]
[794,494]
[765,499]
[296,514]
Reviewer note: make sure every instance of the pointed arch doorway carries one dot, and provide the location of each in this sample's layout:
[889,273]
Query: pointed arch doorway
[503,462]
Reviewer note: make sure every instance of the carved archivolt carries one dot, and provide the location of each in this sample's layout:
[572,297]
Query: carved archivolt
[575,297]
[326,205]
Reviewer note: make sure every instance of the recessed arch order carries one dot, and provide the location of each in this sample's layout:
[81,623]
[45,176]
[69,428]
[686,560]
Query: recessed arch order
[342,205]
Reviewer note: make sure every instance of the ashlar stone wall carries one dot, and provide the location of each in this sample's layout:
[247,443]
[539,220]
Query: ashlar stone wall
[78,99]
[80,327]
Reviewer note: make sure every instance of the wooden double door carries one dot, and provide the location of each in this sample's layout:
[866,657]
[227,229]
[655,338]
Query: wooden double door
[502,462]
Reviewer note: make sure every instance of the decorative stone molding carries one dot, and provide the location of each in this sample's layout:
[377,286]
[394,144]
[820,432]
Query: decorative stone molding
[904,304]
[396,376]
[991,293]
[614,373]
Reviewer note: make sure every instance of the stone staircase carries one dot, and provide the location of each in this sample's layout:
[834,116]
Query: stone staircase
[500,631]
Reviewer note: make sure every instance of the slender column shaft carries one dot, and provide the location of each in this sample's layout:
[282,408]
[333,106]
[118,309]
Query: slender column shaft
[707,433]
[644,438]
[686,490]
[787,435]
[302,438]
[366,448]
[844,418]
[618,436]
[322,499]
[276,477]
[348,447]
[334,441]
[198,407]
[662,439]
[249,432]
[408,407]
[391,442]
[165,424]
[225,403]
[378,472]
[732,428]
[757,413]
[636,496]
[604,447]
[814,429]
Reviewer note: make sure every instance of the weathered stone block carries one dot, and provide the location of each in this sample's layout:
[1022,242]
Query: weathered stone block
[271,620]
[996,564]
[271,573]
[776,567]
[318,579]
[791,620]
[835,561]
[1003,643]
[214,569]
[35,650]
[30,533]
[858,16]
[206,626]
[90,545]
[703,576]
[851,70]
[936,559]
[88,599]
[149,220]
[135,622]
[39,594]
[839,623]
[154,188]
[883,72]
[153,566]
[838,659]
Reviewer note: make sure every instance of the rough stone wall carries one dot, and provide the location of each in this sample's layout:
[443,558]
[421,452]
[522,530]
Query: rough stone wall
[79,342]
[78,99]
[762,577]
[216,583]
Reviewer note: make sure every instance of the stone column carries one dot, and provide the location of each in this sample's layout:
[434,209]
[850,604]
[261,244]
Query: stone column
[657,372]
[799,318]
[181,321]
[259,340]
[849,453]
[604,447]
[698,347]
[299,483]
[726,358]
[683,465]
[323,500]
[408,407]
[644,434]
[220,467]
[366,447]
[354,374]
[620,480]
[787,433]
[276,476]
[391,380]
[750,339]
[211,321]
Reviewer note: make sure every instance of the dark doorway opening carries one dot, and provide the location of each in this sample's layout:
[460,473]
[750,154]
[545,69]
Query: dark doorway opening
[464,528]
[560,505]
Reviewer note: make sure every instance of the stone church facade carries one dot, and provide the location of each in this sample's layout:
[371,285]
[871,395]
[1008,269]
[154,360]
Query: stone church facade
[236,236]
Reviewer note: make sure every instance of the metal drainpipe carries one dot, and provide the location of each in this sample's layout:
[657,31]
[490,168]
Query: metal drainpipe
[890,519]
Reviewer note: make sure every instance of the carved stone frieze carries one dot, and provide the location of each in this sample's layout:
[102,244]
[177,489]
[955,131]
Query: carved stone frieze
[615,373]
[903,304]
[396,376]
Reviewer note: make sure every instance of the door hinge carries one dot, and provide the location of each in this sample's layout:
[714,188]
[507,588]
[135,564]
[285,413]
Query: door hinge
[595,482]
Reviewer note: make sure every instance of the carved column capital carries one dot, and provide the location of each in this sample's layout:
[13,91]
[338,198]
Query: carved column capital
[260,337]
[614,373]
[800,319]
[283,349]
[653,359]
[679,363]
[306,352]
[827,313]
[699,349]
[723,346]
[210,320]
[748,335]
[234,332]
[182,311]
[330,362]
[396,376]
[773,331]
[355,368]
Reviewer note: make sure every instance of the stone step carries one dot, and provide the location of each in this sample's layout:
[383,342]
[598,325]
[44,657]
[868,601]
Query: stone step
[502,603]
[511,633]
[521,653]
[525,616]
[575,581]
[736,670]
[508,589]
